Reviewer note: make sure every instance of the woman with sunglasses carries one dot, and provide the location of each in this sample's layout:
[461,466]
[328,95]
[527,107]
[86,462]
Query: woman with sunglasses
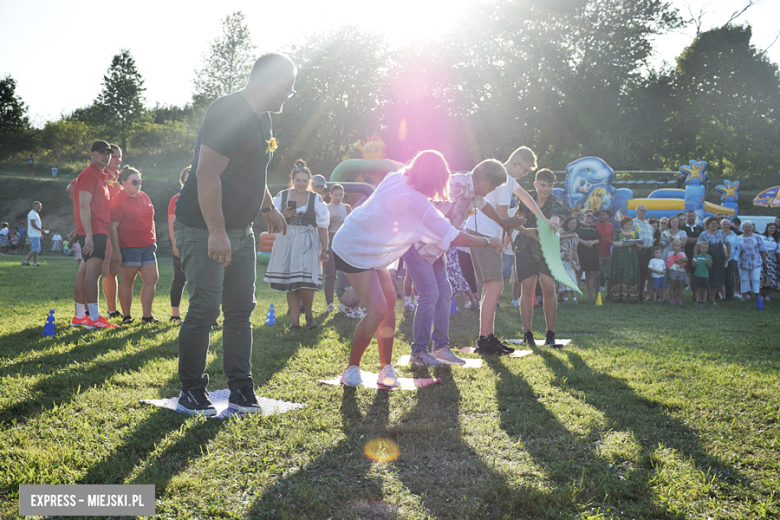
[132,232]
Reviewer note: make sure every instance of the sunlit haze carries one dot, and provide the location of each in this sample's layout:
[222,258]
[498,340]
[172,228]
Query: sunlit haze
[59,51]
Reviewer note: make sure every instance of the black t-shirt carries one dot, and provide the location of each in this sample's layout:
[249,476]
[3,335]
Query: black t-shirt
[692,232]
[231,128]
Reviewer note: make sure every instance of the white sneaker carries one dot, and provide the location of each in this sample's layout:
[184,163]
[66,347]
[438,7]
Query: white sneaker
[467,305]
[423,358]
[387,377]
[409,307]
[343,308]
[330,307]
[446,356]
[516,303]
[351,376]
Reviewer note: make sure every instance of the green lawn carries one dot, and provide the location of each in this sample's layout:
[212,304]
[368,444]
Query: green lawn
[652,412]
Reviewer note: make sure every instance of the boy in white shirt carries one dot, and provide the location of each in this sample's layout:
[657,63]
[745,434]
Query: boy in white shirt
[657,268]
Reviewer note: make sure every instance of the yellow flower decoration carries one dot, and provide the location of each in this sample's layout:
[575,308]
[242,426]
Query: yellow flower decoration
[272,145]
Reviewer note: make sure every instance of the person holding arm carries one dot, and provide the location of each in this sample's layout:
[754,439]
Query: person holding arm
[588,253]
[295,266]
[177,285]
[133,236]
[702,263]
[213,231]
[396,216]
[427,265]
[720,251]
[488,266]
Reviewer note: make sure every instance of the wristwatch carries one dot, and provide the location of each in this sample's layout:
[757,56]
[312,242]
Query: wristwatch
[267,208]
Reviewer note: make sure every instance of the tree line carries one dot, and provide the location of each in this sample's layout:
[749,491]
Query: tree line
[568,78]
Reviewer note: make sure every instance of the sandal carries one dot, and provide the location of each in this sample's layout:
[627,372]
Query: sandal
[176,320]
[294,327]
[127,320]
[310,323]
[149,319]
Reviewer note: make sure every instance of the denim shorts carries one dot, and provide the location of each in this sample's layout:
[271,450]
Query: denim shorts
[659,283]
[676,275]
[35,244]
[137,256]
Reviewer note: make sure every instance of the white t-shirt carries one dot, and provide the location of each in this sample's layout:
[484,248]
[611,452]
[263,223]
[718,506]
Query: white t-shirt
[395,216]
[659,264]
[339,210]
[33,216]
[501,196]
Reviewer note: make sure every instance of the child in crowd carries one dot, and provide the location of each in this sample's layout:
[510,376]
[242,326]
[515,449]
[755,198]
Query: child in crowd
[657,268]
[701,276]
[571,269]
[675,262]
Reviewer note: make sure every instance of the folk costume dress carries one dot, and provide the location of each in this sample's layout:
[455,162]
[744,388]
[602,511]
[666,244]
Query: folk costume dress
[295,257]
[624,279]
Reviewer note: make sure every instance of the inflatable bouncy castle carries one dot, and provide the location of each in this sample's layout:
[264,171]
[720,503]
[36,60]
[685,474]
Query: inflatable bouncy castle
[360,176]
[589,186]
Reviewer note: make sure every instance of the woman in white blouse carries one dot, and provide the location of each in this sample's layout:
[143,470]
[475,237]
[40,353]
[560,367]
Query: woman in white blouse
[295,266]
[379,232]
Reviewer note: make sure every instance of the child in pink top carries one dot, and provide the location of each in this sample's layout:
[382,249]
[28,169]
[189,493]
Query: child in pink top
[676,263]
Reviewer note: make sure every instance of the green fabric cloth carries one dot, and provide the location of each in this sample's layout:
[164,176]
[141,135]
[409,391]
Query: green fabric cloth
[551,250]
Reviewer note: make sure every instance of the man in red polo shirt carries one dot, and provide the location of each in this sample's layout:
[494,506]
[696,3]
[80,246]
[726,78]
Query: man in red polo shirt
[605,229]
[93,217]
[110,269]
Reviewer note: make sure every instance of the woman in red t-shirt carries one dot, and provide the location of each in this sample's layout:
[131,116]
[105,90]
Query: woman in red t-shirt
[132,232]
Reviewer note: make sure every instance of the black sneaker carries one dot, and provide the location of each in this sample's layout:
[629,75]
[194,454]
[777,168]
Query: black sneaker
[528,339]
[506,349]
[244,400]
[486,347]
[549,340]
[196,402]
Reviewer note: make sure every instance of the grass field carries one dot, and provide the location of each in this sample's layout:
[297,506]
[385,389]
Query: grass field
[652,412]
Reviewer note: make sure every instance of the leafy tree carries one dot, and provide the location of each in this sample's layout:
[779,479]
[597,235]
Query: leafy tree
[340,77]
[15,134]
[728,104]
[120,105]
[227,64]
[66,140]
[12,108]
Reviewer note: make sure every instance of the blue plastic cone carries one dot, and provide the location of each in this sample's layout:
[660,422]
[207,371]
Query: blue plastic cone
[760,304]
[454,308]
[49,329]
[270,319]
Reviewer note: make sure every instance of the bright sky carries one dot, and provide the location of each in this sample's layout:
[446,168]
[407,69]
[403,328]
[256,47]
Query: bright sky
[58,51]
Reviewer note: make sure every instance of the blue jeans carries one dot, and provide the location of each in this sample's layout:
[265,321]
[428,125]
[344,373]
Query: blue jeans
[209,286]
[434,300]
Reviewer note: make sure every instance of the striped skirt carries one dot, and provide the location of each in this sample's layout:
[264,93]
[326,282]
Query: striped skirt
[295,260]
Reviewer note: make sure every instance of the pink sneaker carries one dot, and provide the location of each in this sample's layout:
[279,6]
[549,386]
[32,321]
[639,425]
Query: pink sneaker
[100,323]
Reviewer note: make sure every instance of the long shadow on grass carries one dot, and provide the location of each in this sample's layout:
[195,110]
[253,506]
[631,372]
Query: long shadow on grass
[625,410]
[452,479]
[61,387]
[572,463]
[337,483]
[574,473]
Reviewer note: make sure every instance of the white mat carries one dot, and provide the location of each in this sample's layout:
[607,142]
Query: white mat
[470,363]
[219,399]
